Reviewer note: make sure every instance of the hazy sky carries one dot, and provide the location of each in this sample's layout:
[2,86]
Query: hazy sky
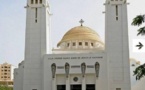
[66,14]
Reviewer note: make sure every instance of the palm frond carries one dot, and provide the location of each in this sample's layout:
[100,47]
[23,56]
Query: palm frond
[138,20]
[141,31]
[140,72]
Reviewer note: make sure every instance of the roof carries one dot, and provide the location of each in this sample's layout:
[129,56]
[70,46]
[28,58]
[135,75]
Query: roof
[80,33]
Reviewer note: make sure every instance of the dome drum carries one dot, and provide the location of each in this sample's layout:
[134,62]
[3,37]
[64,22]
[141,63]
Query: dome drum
[81,44]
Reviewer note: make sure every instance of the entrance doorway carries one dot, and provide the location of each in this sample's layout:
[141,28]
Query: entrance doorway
[61,87]
[90,87]
[76,87]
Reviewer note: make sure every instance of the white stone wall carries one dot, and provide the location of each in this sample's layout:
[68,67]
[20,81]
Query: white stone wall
[37,29]
[18,76]
[116,44]
[75,60]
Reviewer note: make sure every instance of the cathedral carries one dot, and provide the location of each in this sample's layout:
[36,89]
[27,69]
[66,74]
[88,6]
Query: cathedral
[81,60]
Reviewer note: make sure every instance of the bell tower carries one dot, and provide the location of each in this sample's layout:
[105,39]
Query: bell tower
[116,44]
[37,36]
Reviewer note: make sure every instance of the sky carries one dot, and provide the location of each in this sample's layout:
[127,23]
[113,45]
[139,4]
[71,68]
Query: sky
[65,15]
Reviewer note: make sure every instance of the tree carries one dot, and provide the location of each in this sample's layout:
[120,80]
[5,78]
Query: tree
[140,72]
[137,21]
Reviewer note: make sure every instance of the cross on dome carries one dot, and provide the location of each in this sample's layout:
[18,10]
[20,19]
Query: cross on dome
[81,22]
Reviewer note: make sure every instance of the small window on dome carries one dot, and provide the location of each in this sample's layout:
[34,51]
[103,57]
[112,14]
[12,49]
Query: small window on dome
[74,44]
[80,43]
[67,44]
[86,43]
[92,44]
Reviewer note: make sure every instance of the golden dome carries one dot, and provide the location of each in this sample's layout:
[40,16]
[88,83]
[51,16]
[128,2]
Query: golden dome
[80,33]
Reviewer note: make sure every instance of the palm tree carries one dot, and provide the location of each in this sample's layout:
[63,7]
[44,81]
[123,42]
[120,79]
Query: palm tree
[137,21]
[140,72]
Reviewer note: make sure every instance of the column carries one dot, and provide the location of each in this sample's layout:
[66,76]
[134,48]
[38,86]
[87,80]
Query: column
[83,83]
[96,83]
[67,83]
[54,84]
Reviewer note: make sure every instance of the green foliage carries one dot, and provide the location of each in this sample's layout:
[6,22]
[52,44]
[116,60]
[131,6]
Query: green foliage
[138,20]
[140,72]
[141,31]
[2,87]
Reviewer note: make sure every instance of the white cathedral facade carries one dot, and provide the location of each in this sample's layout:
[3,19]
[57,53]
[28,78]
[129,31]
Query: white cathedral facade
[81,61]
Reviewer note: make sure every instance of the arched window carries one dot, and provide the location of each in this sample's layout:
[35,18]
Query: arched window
[97,67]
[67,68]
[53,69]
[83,68]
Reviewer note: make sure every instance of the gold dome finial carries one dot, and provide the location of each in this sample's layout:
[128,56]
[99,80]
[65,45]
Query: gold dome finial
[81,22]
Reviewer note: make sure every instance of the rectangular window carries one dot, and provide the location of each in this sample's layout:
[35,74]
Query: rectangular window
[40,1]
[34,89]
[80,43]
[35,20]
[35,12]
[67,44]
[61,87]
[74,44]
[32,1]
[116,12]
[116,18]
[86,43]
[36,15]
[90,87]
[92,44]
